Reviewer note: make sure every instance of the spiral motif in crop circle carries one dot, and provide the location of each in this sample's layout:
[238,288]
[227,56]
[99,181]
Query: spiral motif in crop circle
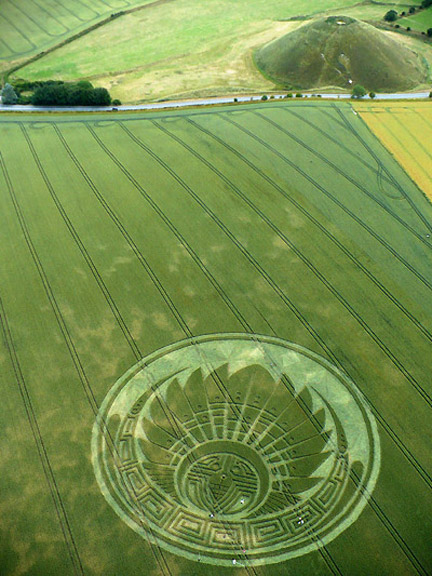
[236,449]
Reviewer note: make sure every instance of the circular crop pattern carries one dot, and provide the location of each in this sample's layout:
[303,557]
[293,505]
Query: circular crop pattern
[236,448]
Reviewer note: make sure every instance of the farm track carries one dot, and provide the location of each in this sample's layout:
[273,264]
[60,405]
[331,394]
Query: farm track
[144,263]
[372,502]
[33,46]
[340,145]
[98,278]
[124,10]
[415,139]
[28,405]
[279,292]
[47,12]
[36,23]
[423,118]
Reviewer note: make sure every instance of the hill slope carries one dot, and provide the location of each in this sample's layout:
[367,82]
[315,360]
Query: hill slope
[332,51]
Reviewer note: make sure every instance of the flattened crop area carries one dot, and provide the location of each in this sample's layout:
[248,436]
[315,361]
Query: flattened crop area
[216,345]
[406,130]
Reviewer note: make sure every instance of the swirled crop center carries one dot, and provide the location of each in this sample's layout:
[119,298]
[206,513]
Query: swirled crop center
[236,447]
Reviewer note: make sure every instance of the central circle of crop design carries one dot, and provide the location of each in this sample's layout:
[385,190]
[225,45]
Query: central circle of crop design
[236,447]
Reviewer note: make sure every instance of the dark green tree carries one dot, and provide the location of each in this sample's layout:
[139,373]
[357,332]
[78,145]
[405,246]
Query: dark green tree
[100,97]
[8,95]
[390,16]
[358,91]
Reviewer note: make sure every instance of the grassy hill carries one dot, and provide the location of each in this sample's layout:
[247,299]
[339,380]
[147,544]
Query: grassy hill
[210,52]
[340,51]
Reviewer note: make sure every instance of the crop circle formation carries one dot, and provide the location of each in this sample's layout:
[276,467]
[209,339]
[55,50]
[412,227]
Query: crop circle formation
[236,448]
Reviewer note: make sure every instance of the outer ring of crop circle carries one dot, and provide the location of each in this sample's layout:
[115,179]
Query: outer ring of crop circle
[278,557]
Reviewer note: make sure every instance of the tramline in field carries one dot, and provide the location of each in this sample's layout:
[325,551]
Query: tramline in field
[216,330]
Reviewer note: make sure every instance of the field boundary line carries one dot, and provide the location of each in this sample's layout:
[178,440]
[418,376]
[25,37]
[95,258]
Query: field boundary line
[338,203]
[354,182]
[318,274]
[411,202]
[338,143]
[321,227]
[413,461]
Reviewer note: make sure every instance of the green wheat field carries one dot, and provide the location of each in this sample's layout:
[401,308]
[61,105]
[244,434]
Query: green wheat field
[251,226]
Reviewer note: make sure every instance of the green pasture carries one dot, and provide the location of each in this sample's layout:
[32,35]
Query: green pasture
[210,50]
[121,234]
[421,21]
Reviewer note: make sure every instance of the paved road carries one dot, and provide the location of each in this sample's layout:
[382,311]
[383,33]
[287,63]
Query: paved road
[202,102]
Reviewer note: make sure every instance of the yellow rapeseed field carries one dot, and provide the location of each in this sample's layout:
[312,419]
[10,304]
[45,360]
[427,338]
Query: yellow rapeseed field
[405,128]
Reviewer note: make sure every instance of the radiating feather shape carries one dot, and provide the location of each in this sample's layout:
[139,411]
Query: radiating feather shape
[249,407]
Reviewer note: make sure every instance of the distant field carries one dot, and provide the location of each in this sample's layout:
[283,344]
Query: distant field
[420,21]
[236,231]
[211,51]
[405,129]
[27,28]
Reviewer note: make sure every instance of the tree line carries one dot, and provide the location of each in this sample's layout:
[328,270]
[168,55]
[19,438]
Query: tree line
[56,93]
[392,15]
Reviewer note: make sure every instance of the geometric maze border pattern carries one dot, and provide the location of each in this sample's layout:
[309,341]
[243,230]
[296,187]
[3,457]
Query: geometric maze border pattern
[236,449]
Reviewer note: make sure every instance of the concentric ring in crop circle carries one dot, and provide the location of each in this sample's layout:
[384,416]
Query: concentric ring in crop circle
[236,447]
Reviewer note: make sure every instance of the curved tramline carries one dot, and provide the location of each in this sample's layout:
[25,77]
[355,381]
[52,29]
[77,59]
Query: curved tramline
[220,354]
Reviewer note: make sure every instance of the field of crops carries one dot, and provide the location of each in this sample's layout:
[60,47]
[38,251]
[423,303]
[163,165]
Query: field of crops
[405,129]
[272,265]
[29,27]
